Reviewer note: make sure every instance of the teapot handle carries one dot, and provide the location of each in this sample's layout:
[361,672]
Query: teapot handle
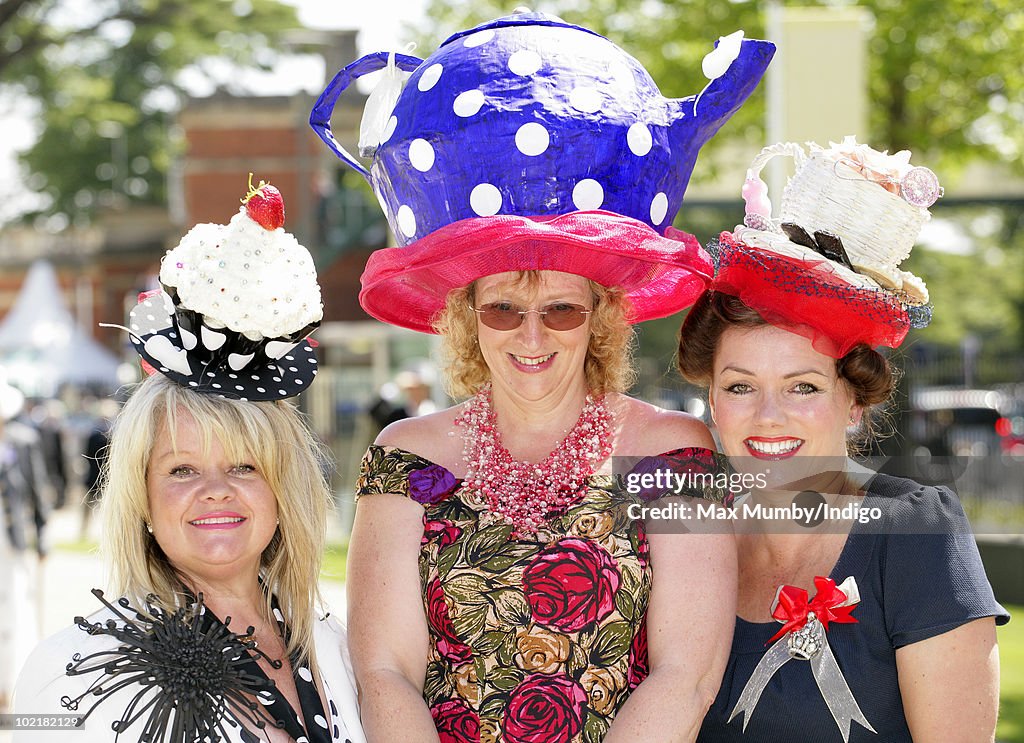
[755,191]
[320,116]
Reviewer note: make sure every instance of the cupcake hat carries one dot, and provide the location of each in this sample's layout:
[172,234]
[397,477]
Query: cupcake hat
[237,304]
[530,143]
[828,267]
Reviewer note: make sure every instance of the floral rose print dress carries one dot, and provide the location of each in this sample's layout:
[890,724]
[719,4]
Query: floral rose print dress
[537,639]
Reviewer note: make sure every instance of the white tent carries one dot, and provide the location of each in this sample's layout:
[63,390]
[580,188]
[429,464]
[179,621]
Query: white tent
[41,345]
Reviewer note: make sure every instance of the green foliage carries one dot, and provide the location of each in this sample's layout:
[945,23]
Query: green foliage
[945,75]
[979,290]
[335,562]
[1011,665]
[106,79]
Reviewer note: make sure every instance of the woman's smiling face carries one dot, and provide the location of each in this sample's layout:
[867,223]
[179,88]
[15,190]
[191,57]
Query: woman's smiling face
[533,360]
[211,515]
[774,397]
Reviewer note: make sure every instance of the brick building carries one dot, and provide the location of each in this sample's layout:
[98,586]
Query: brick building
[225,138]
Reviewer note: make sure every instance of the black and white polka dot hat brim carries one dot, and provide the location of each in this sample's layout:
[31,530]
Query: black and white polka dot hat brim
[207,361]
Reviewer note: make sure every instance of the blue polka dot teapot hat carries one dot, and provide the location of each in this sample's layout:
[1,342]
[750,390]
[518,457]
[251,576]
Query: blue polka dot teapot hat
[237,304]
[528,143]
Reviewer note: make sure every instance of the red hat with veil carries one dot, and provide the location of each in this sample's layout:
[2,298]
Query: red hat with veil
[828,267]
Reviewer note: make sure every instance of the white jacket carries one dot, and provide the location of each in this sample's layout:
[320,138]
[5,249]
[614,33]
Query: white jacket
[43,682]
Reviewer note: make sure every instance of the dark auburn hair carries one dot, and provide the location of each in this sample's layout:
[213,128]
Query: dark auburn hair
[867,374]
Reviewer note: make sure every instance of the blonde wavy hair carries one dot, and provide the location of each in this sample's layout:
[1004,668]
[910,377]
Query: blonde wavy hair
[271,434]
[609,361]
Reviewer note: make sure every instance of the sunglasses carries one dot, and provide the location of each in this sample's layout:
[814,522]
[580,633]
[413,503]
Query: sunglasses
[558,316]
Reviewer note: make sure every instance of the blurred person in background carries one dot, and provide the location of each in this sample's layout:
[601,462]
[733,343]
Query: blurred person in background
[30,493]
[417,388]
[47,418]
[18,610]
[104,411]
[408,395]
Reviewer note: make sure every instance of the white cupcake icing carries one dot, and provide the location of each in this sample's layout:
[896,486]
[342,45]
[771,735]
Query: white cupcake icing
[258,282]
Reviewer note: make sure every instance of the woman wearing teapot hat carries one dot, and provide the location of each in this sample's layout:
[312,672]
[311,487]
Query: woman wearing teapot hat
[881,588]
[497,590]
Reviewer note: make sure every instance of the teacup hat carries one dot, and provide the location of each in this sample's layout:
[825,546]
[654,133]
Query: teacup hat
[828,267]
[529,143]
[237,304]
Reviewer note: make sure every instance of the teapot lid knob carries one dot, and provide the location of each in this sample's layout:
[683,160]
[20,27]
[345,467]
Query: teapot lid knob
[520,10]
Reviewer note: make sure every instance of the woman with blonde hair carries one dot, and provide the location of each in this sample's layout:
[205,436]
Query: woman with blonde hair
[214,509]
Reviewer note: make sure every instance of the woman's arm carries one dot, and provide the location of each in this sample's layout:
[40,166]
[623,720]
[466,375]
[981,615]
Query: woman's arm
[388,636]
[950,684]
[690,622]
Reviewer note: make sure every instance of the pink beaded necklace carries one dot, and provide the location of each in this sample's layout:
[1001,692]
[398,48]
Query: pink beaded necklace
[524,494]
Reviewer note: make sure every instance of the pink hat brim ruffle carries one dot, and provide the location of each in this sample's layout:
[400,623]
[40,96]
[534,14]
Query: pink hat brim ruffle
[661,274]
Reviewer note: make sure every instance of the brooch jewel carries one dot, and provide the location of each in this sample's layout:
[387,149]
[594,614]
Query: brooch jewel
[190,671]
[804,623]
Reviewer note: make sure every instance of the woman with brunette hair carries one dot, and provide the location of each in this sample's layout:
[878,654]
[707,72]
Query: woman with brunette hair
[498,590]
[874,580]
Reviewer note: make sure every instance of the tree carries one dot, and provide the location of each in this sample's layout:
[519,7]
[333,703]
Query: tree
[946,76]
[106,80]
[980,288]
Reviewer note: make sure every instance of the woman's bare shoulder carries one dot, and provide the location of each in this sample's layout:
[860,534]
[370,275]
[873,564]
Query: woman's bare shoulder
[644,429]
[433,437]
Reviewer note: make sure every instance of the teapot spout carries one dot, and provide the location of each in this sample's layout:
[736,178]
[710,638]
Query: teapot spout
[695,119]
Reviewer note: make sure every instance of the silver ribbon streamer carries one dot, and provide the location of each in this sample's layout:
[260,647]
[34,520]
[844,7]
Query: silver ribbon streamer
[808,643]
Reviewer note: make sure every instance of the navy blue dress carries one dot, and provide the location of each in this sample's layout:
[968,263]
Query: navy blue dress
[919,576]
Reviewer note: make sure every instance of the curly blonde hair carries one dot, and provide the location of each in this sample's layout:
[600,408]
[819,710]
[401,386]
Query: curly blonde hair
[275,437]
[609,362]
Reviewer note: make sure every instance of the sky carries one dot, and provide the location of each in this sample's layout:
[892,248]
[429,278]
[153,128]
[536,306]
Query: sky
[379,21]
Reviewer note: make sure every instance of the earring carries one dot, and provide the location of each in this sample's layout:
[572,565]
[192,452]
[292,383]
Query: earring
[149,527]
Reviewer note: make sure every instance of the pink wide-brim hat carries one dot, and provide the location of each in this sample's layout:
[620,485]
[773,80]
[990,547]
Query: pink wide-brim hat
[660,274]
